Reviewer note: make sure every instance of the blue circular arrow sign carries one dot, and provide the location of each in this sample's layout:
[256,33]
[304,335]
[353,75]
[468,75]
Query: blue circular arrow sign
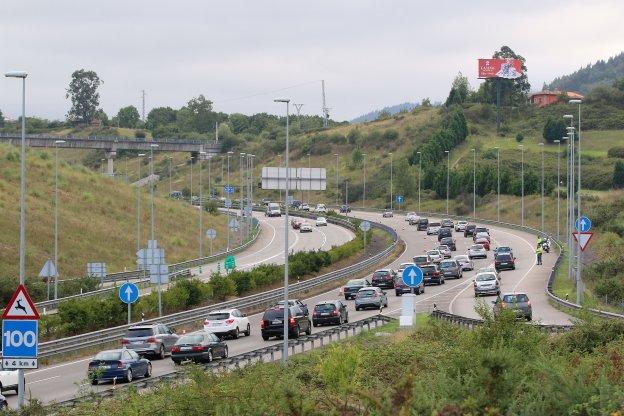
[583,224]
[412,276]
[128,292]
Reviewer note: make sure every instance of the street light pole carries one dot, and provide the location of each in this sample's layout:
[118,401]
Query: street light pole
[22,202]
[558,186]
[139,202]
[227,221]
[201,211]
[542,214]
[579,264]
[56,203]
[571,189]
[522,186]
[474,183]
[497,183]
[151,181]
[170,158]
[242,185]
[337,186]
[309,178]
[419,178]
[448,174]
[391,182]
[364,188]
[286,230]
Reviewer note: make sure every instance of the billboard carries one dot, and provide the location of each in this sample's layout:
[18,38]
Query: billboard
[500,68]
[305,179]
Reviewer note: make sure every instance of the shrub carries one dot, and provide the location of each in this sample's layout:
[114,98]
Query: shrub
[616,152]
[222,286]
[390,135]
[519,137]
[139,134]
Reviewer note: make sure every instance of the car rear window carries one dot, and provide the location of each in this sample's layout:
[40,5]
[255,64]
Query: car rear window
[108,356]
[140,332]
[444,247]
[477,247]
[433,252]
[447,264]
[218,316]
[504,257]
[503,250]
[273,314]
[423,221]
[381,273]
[515,298]
[326,307]
[434,224]
[421,259]
[366,293]
[406,265]
[190,339]
[485,277]
[461,258]
[355,283]
[427,268]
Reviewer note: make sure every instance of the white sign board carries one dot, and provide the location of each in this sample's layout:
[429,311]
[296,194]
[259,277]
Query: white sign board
[303,179]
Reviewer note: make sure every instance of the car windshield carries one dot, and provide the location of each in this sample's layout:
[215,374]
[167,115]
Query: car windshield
[277,313]
[355,283]
[462,223]
[447,264]
[366,293]
[190,339]
[140,332]
[326,307]
[503,249]
[108,356]
[485,277]
[476,247]
[423,221]
[218,316]
[515,298]
[320,219]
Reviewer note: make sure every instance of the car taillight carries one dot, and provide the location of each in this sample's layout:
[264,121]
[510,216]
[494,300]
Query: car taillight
[292,322]
[124,341]
[376,295]
[206,322]
[336,313]
[529,303]
[497,263]
[436,273]
[474,284]
[341,291]
[151,340]
[175,348]
[314,313]
[120,364]
[197,348]
[229,321]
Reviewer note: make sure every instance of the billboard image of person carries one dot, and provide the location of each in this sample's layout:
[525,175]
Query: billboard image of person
[500,68]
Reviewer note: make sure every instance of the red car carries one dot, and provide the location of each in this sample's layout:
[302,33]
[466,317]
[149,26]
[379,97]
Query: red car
[295,223]
[483,241]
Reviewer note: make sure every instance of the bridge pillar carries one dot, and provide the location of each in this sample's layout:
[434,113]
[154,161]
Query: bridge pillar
[110,169]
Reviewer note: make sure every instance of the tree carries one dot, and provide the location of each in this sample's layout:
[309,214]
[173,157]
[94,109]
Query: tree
[128,117]
[84,95]
[160,116]
[1,120]
[101,115]
[357,157]
[554,129]
[459,90]
[200,116]
[426,102]
[618,174]
[513,91]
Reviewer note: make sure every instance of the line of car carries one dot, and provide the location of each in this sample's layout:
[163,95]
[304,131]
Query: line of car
[306,227]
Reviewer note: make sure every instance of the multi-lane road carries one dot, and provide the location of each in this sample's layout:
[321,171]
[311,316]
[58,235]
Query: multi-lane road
[60,381]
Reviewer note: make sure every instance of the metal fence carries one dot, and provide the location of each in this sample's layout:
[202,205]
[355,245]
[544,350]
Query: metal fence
[112,139]
[248,303]
[260,355]
[472,323]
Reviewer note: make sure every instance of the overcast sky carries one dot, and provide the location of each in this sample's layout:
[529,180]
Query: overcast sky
[370,53]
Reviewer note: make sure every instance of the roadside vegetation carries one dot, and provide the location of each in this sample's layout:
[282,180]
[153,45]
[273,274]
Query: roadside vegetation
[503,367]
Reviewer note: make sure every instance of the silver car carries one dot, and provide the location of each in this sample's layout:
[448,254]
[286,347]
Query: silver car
[154,339]
[435,256]
[486,284]
[451,268]
[519,303]
[433,228]
[465,262]
[370,297]
[461,225]
[477,251]
[445,251]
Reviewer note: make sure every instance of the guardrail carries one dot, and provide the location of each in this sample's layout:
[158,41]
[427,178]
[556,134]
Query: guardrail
[553,272]
[177,271]
[113,139]
[265,354]
[472,323]
[248,303]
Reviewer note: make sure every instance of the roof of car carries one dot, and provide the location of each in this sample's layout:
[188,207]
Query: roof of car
[514,293]
[143,326]
[223,311]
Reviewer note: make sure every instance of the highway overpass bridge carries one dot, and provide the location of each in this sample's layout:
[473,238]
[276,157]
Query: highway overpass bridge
[112,144]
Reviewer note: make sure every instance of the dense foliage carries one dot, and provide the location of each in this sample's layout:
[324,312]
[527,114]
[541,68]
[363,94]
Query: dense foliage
[501,368]
[587,78]
[84,95]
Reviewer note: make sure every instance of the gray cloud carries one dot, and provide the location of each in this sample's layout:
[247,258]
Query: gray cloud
[371,53]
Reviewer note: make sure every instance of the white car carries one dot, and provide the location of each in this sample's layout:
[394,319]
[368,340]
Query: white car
[481,235]
[321,222]
[410,216]
[446,251]
[305,207]
[433,228]
[486,284]
[305,228]
[477,251]
[465,262]
[461,226]
[8,380]
[435,256]
[227,322]
[321,208]
[402,267]
[387,214]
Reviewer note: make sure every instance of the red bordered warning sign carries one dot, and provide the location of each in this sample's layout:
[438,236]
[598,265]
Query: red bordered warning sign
[583,239]
[20,306]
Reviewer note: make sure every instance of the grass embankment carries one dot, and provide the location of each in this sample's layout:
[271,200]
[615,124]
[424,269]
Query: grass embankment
[97,218]
[501,368]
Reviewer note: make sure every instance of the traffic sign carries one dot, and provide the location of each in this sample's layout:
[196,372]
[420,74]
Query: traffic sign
[96,270]
[211,233]
[128,292]
[365,226]
[233,224]
[229,263]
[20,306]
[227,203]
[583,239]
[159,273]
[583,224]
[48,269]
[399,198]
[412,276]
[20,338]
[228,189]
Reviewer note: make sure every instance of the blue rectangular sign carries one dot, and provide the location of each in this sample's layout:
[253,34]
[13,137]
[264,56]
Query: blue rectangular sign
[20,338]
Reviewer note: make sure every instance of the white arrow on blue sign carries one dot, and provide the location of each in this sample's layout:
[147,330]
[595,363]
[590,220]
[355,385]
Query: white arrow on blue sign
[128,292]
[412,276]
[399,198]
[583,224]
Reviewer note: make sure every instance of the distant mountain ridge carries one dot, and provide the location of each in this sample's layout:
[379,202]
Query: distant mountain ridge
[392,110]
[585,79]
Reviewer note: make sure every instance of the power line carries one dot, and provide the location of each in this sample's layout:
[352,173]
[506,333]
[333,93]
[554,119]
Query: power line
[265,92]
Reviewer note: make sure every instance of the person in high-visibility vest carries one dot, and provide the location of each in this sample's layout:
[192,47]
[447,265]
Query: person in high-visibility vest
[540,240]
[539,255]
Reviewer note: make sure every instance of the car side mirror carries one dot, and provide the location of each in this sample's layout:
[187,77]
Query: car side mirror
[244,315]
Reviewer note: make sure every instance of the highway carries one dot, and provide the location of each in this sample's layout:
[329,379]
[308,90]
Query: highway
[61,381]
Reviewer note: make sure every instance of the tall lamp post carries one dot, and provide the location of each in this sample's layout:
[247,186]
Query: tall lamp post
[571,189]
[227,221]
[139,202]
[56,203]
[541,144]
[152,218]
[448,174]
[497,183]
[201,210]
[579,264]
[364,188]
[337,185]
[242,190]
[22,202]
[558,186]
[474,183]
[391,181]
[419,177]
[522,185]
[170,159]
[309,178]
[286,230]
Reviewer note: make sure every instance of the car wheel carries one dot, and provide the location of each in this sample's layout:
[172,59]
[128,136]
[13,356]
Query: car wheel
[148,370]
[357,308]
[236,333]
[248,332]
[315,324]
[398,293]
[176,362]
[94,382]
[209,358]
[161,352]
[297,332]
[309,330]
[129,375]
[265,337]
[226,353]
[340,320]
[347,317]
[529,318]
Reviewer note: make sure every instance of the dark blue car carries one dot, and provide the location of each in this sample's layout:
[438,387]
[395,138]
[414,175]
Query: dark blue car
[122,364]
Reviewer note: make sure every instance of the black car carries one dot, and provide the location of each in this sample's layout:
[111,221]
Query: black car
[422,225]
[451,268]
[445,232]
[351,288]
[384,279]
[431,274]
[470,230]
[330,312]
[296,302]
[400,288]
[505,261]
[200,347]
[272,323]
[449,242]
[345,209]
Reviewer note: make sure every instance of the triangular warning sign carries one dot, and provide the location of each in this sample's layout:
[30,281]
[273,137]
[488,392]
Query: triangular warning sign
[20,306]
[583,239]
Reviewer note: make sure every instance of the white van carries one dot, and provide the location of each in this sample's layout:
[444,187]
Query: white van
[321,208]
[273,210]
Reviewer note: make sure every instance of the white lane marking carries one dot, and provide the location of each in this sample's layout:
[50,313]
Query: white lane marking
[273,256]
[324,239]
[59,366]
[531,251]
[268,244]
[43,379]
